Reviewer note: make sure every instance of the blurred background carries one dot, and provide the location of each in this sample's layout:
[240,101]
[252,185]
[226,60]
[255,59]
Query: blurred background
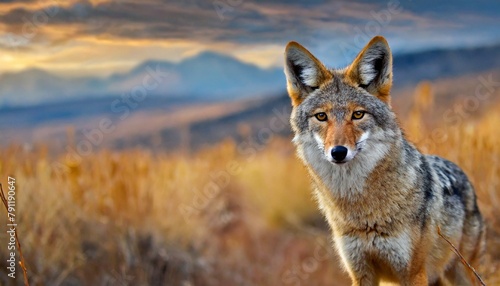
[150,140]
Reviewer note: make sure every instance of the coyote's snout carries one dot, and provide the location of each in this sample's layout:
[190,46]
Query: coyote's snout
[383,199]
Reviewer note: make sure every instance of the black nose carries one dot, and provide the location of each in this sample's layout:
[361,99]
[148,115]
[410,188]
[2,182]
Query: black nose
[339,153]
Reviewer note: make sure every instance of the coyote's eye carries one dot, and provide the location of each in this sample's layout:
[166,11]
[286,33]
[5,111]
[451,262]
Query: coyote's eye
[358,115]
[321,116]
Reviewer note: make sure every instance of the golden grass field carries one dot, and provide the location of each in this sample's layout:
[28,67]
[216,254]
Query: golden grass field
[230,214]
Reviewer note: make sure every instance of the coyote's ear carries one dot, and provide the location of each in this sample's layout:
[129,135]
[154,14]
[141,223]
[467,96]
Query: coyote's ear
[304,73]
[372,69]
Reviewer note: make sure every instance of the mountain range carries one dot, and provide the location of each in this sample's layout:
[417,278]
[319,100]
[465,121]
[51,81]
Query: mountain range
[215,77]
[208,76]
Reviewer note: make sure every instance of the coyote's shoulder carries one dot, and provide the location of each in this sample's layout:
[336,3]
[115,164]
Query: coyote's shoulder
[383,199]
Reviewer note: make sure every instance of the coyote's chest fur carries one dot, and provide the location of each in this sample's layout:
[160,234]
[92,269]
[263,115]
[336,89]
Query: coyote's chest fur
[357,206]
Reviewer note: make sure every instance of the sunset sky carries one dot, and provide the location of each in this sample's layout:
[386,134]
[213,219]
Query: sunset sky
[104,36]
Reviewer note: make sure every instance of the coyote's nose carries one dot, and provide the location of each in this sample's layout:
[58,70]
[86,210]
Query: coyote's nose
[339,153]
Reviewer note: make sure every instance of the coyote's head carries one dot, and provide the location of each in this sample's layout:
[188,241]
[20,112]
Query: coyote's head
[344,112]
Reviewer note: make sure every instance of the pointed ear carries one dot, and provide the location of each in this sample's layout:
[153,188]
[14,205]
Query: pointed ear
[372,69]
[304,73]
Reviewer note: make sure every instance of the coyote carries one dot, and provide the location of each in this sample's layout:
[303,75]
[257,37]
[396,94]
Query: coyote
[382,198]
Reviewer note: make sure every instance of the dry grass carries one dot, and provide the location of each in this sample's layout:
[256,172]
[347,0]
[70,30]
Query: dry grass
[227,215]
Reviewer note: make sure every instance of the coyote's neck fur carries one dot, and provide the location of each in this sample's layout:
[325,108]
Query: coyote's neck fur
[354,189]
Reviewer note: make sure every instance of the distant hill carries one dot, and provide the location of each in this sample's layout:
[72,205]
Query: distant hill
[216,77]
[436,64]
[207,76]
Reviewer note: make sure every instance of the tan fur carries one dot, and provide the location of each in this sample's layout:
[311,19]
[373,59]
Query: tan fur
[344,134]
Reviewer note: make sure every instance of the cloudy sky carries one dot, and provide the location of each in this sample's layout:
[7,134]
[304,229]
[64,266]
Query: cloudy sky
[75,37]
